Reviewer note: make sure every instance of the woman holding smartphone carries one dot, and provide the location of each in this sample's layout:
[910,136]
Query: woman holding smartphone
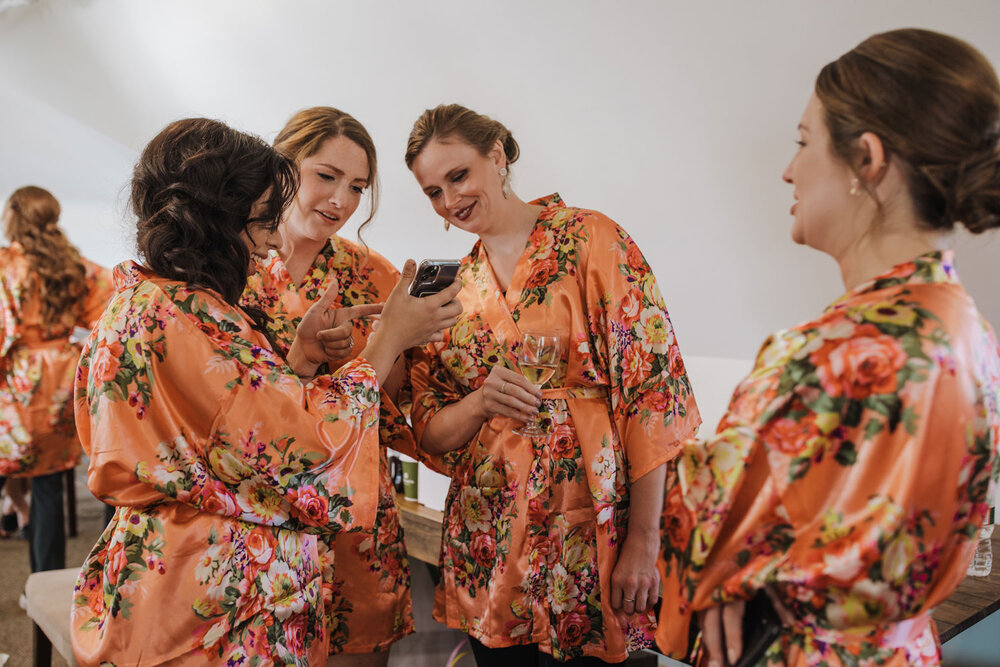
[550,540]
[228,461]
[368,589]
[849,478]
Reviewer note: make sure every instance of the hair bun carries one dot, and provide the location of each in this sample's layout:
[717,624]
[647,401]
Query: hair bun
[975,196]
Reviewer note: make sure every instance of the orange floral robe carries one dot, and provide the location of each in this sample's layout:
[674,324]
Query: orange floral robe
[368,595]
[533,527]
[850,475]
[37,367]
[227,472]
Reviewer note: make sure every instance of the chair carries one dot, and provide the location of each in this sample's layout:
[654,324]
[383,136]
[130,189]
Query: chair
[49,599]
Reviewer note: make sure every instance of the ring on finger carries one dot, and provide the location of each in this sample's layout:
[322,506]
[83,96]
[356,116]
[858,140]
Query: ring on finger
[629,599]
[503,387]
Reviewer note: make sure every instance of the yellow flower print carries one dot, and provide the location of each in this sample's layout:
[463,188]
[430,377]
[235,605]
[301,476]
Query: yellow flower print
[261,503]
[563,592]
[897,558]
[281,592]
[476,513]
[460,363]
[655,330]
[826,422]
[832,530]
[227,467]
[462,333]
[890,313]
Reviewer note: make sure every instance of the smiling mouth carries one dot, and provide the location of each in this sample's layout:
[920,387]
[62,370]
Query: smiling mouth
[464,214]
[331,218]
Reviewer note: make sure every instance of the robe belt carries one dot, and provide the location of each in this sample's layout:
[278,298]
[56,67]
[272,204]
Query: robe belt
[575,392]
[891,635]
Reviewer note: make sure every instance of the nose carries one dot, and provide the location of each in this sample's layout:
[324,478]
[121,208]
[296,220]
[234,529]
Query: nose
[450,198]
[786,175]
[337,195]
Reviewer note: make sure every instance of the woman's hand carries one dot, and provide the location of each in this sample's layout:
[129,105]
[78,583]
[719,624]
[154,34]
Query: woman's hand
[715,621]
[635,581]
[408,321]
[412,320]
[325,334]
[508,394]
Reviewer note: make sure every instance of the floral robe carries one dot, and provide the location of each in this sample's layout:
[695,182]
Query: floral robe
[37,367]
[368,592]
[849,476]
[225,469]
[533,527]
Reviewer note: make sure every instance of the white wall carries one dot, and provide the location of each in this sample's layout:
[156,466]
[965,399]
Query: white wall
[675,118]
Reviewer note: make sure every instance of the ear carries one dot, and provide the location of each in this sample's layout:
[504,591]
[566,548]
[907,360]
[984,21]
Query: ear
[497,155]
[870,160]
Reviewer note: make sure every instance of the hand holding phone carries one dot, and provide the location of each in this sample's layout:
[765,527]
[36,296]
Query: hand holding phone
[433,275]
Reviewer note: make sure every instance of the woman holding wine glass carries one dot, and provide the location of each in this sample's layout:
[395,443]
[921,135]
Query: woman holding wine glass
[550,540]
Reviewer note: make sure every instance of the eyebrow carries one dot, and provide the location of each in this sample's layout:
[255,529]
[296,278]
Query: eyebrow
[447,177]
[339,172]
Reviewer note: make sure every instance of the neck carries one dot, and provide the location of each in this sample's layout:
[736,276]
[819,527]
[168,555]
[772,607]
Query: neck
[298,253]
[510,229]
[878,253]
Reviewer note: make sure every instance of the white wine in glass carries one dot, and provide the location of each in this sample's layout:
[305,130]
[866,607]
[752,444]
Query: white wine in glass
[538,357]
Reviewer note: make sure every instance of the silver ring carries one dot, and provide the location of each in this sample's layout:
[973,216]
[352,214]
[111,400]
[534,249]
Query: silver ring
[503,387]
[629,599]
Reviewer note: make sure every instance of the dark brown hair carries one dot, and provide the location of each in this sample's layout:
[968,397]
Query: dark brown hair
[56,267]
[193,190]
[934,101]
[306,131]
[450,120]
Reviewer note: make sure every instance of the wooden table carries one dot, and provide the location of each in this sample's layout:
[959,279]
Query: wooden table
[973,600]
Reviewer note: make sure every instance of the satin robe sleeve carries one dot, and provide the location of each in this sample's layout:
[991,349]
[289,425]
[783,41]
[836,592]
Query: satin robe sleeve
[652,403]
[434,388]
[175,407]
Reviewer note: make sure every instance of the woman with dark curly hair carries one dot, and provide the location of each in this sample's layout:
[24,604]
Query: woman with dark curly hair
[226,460]
[46,290]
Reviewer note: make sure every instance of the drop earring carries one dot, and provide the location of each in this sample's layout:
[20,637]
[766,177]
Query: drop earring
[447,225]
[505,182]
[854,187]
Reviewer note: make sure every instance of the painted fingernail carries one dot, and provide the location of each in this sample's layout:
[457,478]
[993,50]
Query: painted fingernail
[734,655]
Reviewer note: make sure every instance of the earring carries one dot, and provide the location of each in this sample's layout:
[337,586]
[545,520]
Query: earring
[505,186]
[447,225]
[854,187]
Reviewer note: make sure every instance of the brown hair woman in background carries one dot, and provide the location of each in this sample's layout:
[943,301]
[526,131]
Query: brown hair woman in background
[46,290]
[849,477]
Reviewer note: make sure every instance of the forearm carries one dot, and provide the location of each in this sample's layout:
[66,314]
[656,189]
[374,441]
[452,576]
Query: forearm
[394,382]
[646,505]
[454,425]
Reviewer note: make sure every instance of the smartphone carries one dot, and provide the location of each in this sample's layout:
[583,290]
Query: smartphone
[433,275]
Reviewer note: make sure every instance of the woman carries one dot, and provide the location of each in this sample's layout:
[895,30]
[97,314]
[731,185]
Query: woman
[46,290]
[226,461]
[549,543]
[368,591]
[850,474]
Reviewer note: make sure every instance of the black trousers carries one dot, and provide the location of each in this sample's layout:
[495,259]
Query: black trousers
[47,523]
[527,655]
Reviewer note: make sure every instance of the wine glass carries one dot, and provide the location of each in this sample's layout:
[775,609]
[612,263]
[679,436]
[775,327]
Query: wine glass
[538,357]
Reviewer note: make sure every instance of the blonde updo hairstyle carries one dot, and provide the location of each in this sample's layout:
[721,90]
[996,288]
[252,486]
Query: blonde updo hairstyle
[57,269]
[306,131]
[934,101]
[453,120]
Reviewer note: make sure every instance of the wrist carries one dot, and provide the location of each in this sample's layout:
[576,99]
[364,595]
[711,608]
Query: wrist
[301,364]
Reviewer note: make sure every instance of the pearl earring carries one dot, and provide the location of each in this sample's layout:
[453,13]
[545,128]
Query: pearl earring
[447,225]
[505,186]
[854,186]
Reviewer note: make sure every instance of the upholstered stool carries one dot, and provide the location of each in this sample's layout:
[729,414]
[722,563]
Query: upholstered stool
[49,598]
